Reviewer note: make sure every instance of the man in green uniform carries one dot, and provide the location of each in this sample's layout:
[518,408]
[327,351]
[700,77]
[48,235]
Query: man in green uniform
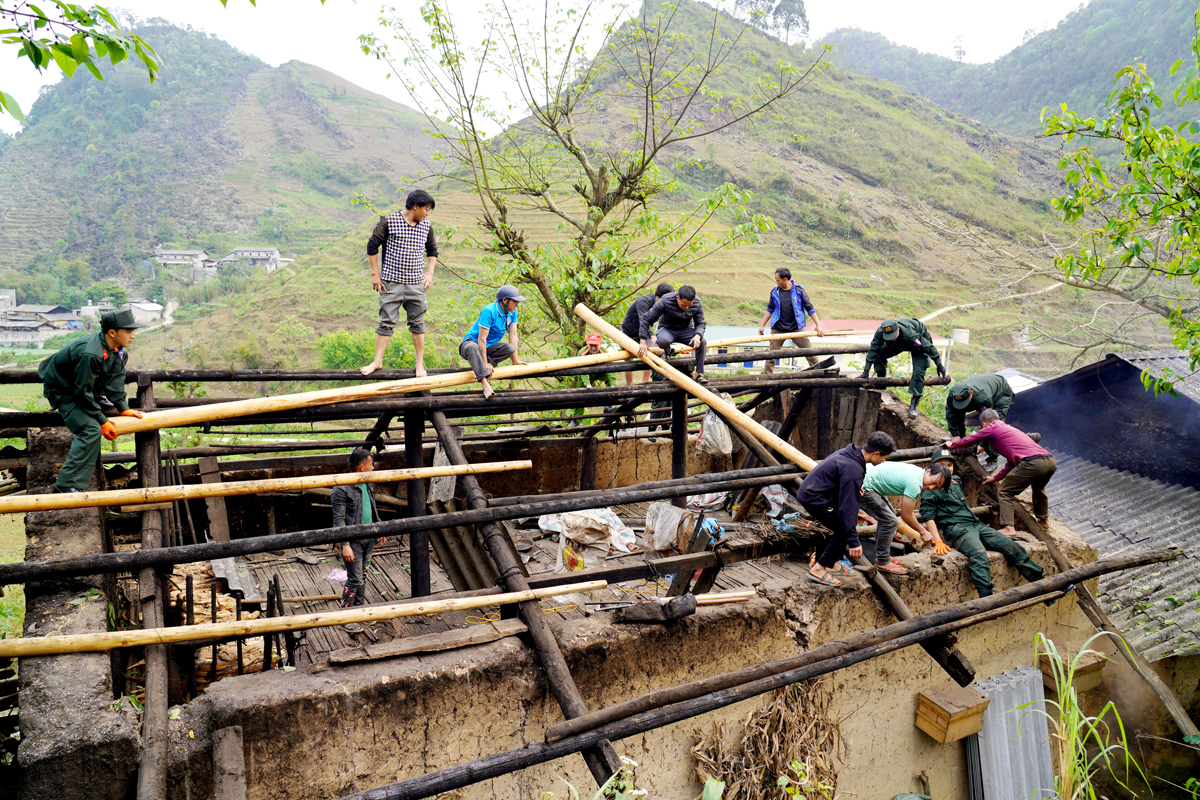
[975,394]
[947,508]
[896,336]
[80,380]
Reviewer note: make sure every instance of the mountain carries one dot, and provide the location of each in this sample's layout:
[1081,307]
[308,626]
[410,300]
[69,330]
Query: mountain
[222,150]
[1074,63]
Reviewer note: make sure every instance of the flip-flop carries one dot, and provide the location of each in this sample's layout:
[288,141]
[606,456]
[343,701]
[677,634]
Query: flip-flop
[893,567]
[825,580]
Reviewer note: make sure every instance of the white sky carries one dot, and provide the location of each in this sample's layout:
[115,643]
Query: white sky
[326,35]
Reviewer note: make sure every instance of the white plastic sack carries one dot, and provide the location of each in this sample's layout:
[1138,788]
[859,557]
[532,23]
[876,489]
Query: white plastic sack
[707,502]
[775,497]
[598,525]
[664,523]
[714,436]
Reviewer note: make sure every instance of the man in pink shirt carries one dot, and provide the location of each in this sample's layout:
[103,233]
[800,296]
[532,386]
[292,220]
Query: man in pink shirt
[1029,464]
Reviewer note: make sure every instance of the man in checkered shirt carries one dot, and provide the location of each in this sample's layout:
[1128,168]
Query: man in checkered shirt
[409,255]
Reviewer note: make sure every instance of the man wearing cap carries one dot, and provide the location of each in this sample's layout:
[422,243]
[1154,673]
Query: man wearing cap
[946,511]
[80,380]
[786,308]
[975,394]
[682,317]
[896,336]
[483,347]
[893,479]
[1029,465]
[409,253]
[631,326]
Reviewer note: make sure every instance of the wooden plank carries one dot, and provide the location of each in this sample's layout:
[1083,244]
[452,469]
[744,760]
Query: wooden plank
[218,520]
[431,643]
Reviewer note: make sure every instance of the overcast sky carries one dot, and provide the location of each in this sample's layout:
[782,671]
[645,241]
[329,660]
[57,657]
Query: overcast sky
[326,35]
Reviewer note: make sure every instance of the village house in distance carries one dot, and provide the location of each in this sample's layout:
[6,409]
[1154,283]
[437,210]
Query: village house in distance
[203,267]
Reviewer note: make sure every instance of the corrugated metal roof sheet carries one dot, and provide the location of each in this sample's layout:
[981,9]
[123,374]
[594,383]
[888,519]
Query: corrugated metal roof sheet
[1157,362]
[1157,607]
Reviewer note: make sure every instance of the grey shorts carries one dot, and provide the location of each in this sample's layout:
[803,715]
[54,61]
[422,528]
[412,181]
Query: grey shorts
[395,295]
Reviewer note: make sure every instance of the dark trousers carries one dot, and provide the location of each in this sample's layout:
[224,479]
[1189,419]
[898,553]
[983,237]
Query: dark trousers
[835,548]
[666,338]
[801,342]
[469,350]
[886,521]
[355,592]
[920,363]
[974,540]
[1035,472]
[77,470]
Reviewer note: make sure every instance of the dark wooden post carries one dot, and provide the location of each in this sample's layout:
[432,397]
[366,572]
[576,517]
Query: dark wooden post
[679,411]
[418,541]
[152,769]
[587,465]
[601,759]
[824,410]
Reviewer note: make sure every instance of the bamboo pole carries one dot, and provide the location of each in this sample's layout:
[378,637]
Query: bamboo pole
[773,337]
[102,642]
[176,417]
[712,399]
[162,494]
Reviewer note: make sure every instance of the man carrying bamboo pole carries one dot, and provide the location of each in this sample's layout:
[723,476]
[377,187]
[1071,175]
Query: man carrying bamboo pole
[80,380]
[786,308]
[409,255]
[482,347]
[355,505]
[948,508]
[831,494]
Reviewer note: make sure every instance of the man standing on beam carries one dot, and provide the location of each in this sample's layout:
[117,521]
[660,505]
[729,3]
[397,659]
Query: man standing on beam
[1029,464]
[786,308]
[831,494]
[409,256]
[682,317]
[896,336]
[482,347]
[81,380]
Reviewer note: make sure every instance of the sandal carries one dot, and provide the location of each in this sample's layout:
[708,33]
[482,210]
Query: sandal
[825,580]
[837,569]
[894,566]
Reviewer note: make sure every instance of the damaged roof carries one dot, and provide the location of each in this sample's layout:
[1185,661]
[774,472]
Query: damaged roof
[1158,362]
[1157,607]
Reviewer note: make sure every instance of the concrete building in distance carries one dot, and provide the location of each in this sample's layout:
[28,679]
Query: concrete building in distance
[8,298]
[145,311]
[268,257]
[200,265]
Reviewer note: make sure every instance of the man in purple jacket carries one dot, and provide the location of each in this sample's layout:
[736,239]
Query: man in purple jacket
[831,494]
[1029,464]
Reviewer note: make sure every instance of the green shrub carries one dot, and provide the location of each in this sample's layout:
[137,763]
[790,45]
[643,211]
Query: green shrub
[353,349]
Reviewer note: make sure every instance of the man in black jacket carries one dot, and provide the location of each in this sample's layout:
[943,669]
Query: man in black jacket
[631,326]
[682,317]
[355,505]
[831,494]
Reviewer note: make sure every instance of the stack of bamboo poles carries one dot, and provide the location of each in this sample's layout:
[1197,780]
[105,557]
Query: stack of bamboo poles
[204,583]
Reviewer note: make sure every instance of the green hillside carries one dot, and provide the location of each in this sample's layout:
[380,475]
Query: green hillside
[843,201]
[1074,63]
[220,151]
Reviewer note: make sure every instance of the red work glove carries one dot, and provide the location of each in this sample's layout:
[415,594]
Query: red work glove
[109,431]
[132,413]
[941,548]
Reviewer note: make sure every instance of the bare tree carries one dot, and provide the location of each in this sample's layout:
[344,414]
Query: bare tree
[590,145]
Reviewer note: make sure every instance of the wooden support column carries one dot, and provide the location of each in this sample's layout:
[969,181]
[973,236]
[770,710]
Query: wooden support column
[1098,617]
[375,437]
[601,759]
[824,411]
[152,769]
[418,541]
[785,433]
[587,465]
[229,764]
[679,437]
[218,521]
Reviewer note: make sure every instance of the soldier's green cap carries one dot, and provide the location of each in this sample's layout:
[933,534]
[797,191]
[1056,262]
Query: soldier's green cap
[115,320]
[890,328]
[960,396]
[942,454]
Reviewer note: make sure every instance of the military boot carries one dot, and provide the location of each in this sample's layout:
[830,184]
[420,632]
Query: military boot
[912,406]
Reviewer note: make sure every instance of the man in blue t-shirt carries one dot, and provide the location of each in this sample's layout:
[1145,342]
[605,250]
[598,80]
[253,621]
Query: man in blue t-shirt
[486,334]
